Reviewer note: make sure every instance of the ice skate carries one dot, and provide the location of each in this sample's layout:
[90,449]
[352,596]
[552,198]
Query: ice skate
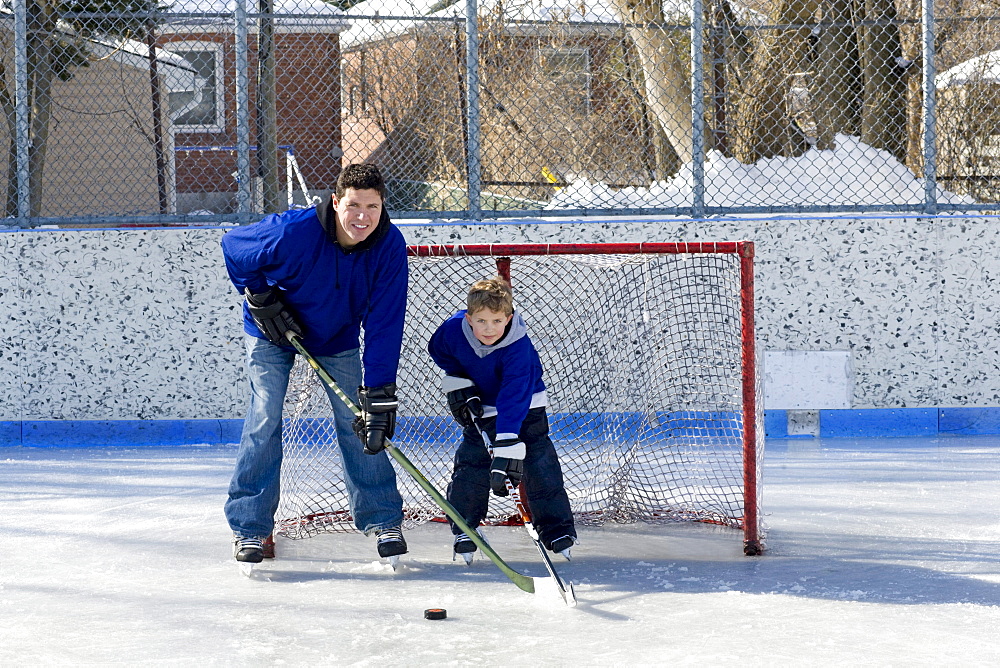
[465,547]
[248,551]
[562,545]
[390,544]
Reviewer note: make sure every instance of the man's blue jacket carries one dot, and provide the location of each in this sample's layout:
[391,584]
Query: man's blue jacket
[332,292]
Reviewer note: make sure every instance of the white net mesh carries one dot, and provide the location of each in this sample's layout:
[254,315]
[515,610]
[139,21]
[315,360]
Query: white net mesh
[643,363]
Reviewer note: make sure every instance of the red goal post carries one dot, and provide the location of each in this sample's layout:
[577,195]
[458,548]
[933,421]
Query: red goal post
[650,368]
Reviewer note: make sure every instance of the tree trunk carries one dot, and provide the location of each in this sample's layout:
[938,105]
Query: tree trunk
[9,115]
[837,92]
[666,78]
[883,113]
[731,55]
[763,128]
[659,158]
[42,19]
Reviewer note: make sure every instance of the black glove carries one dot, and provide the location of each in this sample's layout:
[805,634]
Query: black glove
[508,464]
[271,316]
[465,405]
[377,422]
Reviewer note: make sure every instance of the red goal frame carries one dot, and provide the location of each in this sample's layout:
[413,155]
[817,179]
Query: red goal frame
[744,250]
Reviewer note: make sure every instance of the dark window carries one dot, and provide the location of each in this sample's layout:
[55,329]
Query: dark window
[199,109]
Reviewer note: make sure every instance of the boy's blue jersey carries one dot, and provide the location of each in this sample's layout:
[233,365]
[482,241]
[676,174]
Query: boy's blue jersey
[331,292]
[508,373]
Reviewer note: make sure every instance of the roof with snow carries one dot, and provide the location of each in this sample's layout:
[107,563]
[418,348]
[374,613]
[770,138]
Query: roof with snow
[981,69]
[295,15]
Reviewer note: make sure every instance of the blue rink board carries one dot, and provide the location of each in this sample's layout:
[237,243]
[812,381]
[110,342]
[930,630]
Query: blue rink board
[863,423]
[619,426]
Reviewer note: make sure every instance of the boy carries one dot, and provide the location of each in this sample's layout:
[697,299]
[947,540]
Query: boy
[494,382]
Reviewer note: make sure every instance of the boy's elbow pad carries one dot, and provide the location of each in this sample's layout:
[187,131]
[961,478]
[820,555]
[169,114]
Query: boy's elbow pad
[452,383]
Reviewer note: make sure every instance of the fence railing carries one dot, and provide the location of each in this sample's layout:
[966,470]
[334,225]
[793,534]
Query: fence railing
[219,111]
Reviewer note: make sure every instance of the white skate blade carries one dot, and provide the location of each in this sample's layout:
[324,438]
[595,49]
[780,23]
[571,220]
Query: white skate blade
[246,568]
[393,561]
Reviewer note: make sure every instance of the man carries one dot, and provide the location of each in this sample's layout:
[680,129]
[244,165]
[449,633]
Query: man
[322,273]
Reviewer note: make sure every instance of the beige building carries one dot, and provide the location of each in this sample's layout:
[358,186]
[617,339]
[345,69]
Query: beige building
[101,156]
[555,101]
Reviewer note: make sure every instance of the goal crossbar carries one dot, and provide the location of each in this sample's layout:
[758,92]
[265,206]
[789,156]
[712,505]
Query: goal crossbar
[743,248]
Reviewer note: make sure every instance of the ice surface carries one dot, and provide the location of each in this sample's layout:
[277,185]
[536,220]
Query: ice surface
[879,553]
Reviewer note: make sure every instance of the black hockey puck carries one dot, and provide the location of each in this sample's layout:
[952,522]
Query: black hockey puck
[435,613]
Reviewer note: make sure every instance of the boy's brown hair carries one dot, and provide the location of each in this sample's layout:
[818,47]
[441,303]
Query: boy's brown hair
[360,177]
[493,294]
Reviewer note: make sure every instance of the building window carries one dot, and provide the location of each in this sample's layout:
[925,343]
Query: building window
[355,84]
[199,110]
[569,70]
[354,103]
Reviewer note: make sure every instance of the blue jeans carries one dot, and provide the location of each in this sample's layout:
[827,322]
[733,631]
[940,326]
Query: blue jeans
[254,490]
[469,490]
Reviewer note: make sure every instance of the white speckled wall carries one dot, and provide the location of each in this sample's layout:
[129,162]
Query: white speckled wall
[119,324]
[143,323]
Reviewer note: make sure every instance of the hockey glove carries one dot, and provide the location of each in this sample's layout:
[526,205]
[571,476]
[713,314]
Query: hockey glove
[465,405]
[271,316]
[508,464]
[377,422]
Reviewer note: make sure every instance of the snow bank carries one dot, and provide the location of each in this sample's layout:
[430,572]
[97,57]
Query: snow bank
[852,174]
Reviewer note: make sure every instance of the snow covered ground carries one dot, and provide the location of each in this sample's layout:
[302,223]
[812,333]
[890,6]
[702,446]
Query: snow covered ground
[879,553]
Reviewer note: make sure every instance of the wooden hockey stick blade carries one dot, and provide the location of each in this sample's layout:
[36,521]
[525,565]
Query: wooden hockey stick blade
[523,582]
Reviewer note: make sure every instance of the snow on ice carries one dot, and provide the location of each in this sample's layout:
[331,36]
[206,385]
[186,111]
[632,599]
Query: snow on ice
[879,553]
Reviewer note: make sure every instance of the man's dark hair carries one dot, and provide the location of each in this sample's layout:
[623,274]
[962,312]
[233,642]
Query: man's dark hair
[360,177]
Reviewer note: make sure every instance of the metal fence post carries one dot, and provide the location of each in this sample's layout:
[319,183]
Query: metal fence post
[930,108]
[472,92]
[697,109]
[22,132]
[242,115]
[266,107]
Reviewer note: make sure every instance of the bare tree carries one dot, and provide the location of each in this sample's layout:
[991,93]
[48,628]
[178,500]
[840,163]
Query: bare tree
[666,75]
[762,127]
[56,46]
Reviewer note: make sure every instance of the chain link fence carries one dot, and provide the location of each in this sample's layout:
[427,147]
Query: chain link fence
[131,112]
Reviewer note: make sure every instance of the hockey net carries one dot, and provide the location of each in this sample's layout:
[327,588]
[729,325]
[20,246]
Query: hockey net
[648,353]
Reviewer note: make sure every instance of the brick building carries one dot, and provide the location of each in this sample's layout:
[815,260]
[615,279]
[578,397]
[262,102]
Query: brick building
[307,92]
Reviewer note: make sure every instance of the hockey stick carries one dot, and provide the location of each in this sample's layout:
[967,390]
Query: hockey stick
[524,582]
[565,588]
